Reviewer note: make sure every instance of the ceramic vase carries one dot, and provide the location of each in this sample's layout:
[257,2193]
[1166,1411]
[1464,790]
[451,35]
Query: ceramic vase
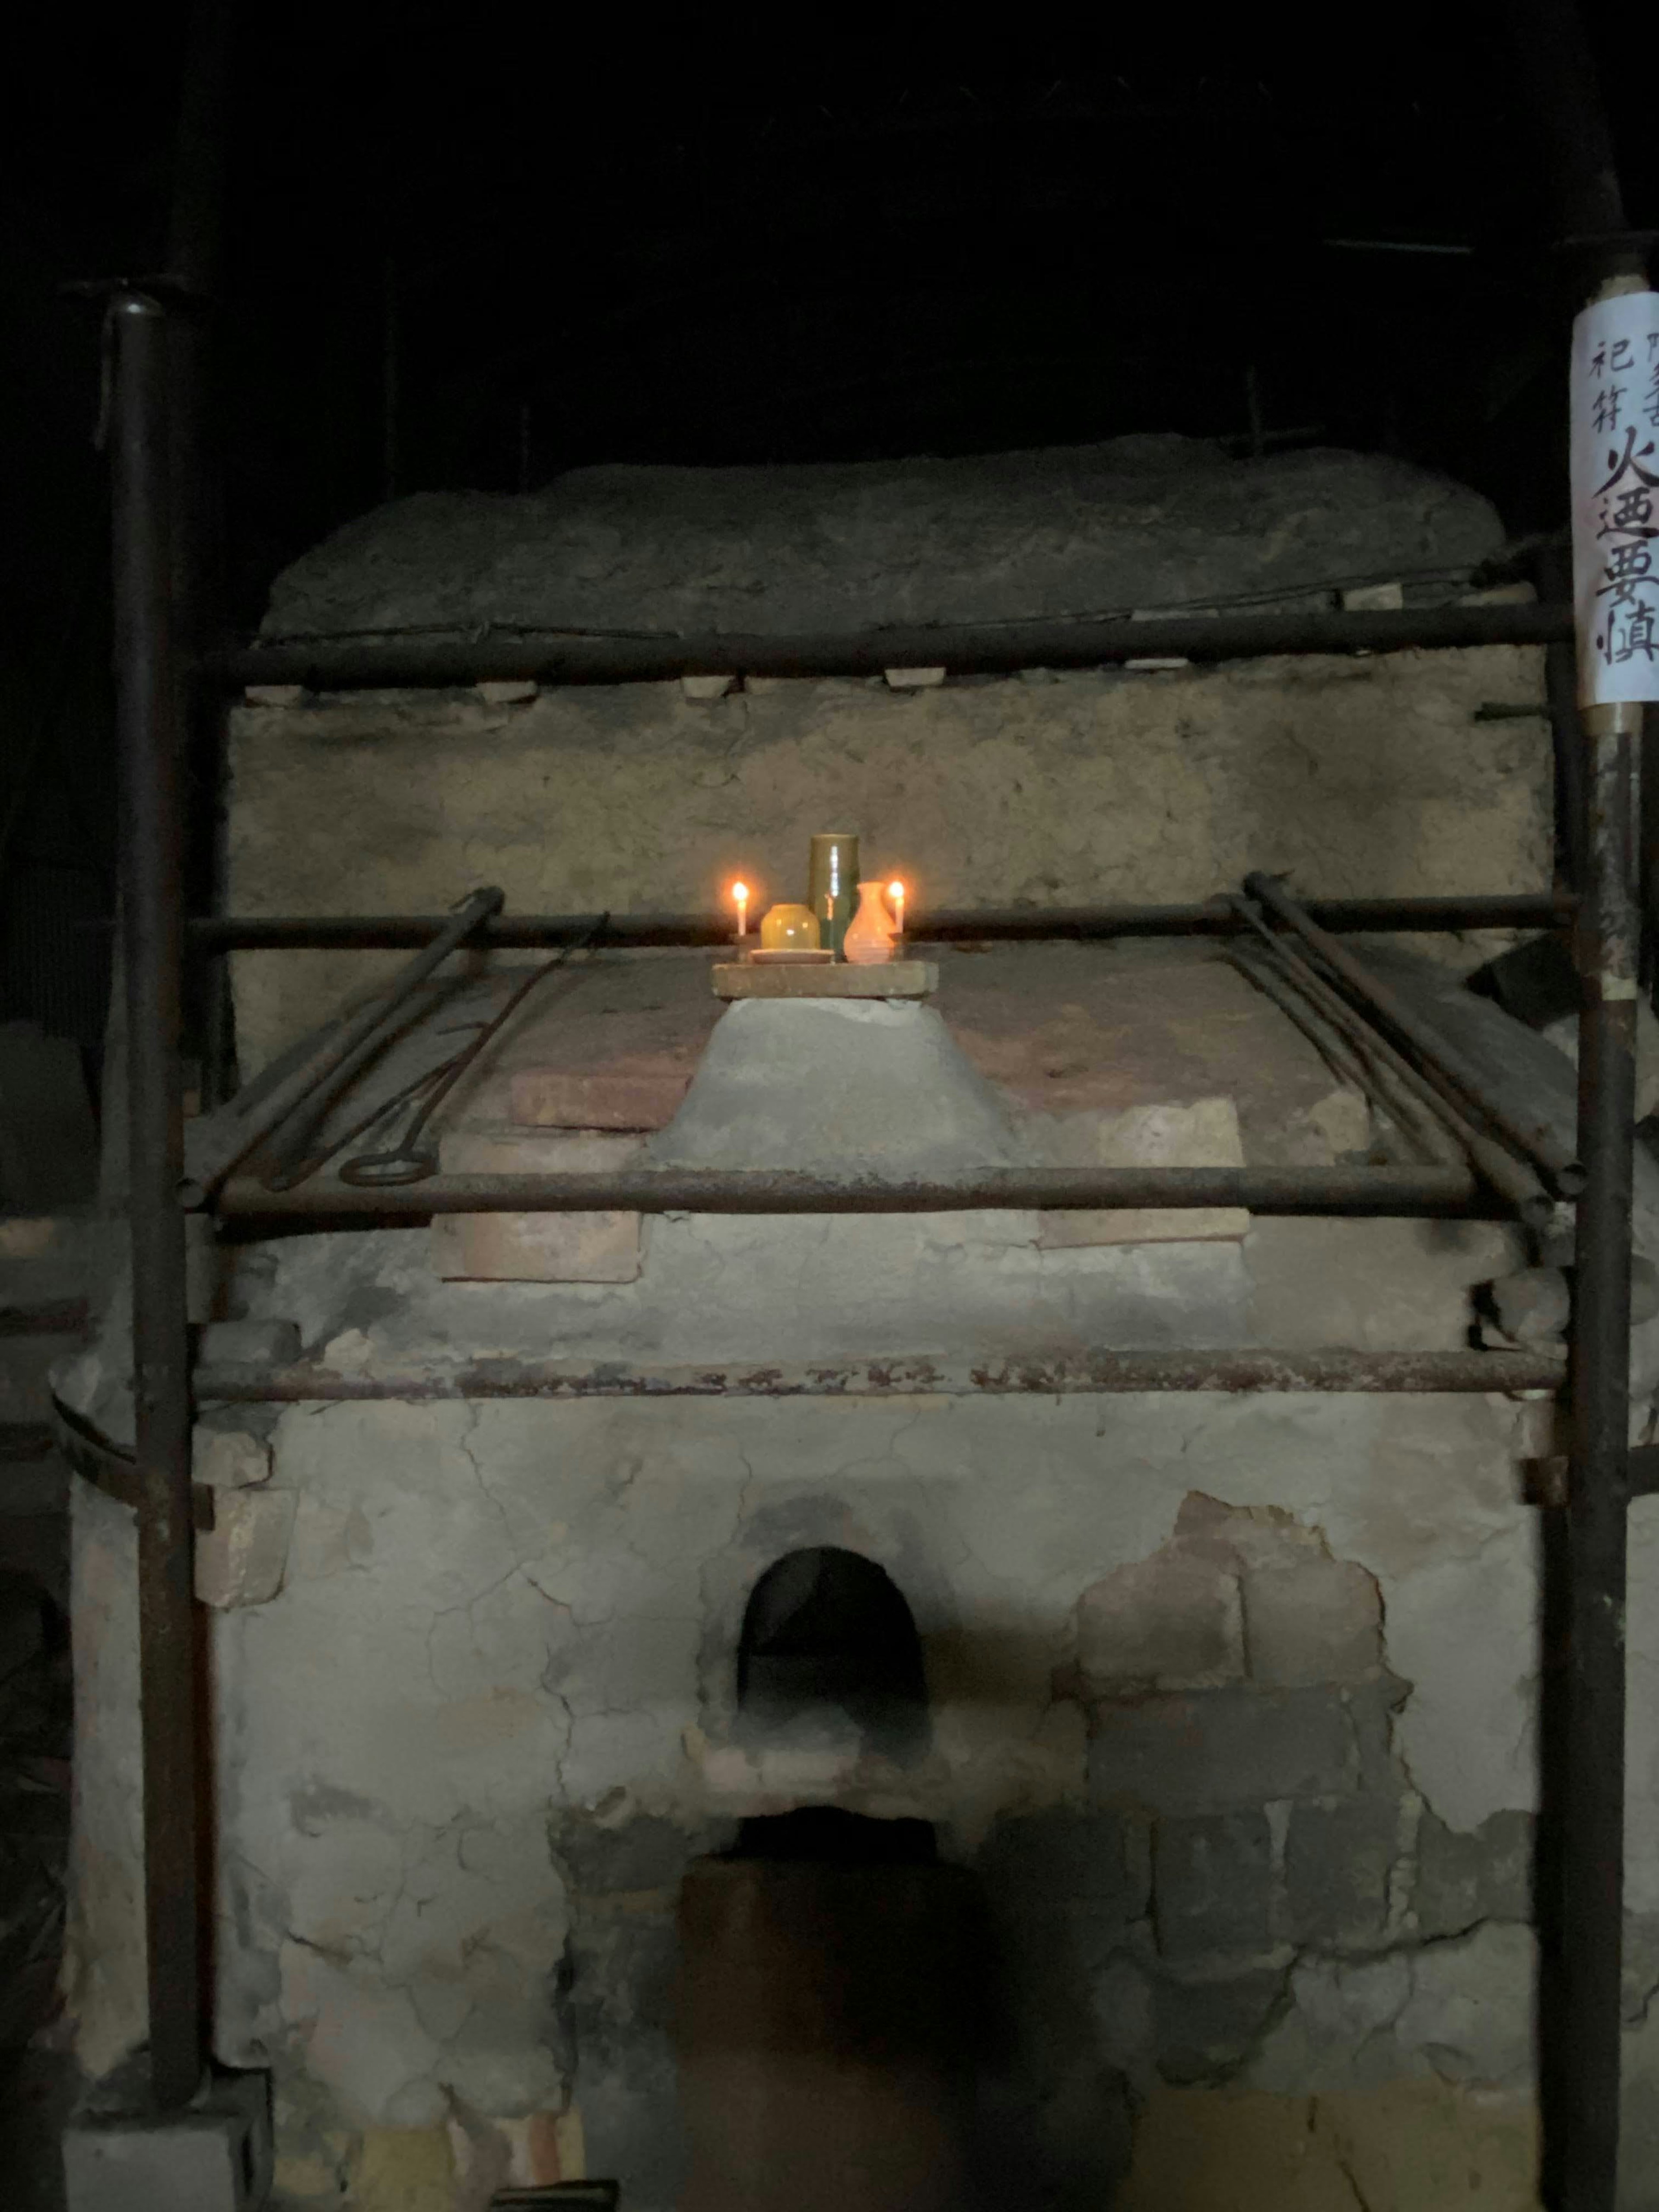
[870,933]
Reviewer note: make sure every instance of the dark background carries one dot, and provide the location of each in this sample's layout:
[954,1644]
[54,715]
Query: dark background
[461,252]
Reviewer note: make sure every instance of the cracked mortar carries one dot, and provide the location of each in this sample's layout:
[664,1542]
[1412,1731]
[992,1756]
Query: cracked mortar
[400,1923]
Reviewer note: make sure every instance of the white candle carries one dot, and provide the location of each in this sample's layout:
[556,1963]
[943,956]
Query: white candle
[740,892]
[896,892]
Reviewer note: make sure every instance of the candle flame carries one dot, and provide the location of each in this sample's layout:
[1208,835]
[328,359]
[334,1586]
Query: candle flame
[896,889]
[740,891]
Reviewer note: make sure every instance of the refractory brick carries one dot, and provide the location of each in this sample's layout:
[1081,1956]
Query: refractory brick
[1337,1859]
[1217,1751]
[1314,1619]
[1169,1622]
[1212,1883]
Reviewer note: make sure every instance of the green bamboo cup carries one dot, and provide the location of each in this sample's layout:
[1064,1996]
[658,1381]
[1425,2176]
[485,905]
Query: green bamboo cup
[832,884]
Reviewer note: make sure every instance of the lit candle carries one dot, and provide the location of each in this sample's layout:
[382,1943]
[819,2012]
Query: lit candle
[740,892]
[896,892]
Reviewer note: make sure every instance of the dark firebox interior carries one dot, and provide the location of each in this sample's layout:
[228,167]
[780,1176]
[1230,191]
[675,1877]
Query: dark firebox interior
[825,1628]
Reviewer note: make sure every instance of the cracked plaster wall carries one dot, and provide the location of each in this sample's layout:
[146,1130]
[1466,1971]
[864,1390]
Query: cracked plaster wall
[470,1569]
[536,1609]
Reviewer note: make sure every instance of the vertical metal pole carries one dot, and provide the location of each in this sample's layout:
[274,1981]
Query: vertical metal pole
[1647,850]
[152,915]
[1581,1903]
[1592,1737]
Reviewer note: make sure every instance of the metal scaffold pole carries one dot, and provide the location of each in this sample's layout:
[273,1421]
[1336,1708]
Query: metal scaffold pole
[1580,1889]
[152,901]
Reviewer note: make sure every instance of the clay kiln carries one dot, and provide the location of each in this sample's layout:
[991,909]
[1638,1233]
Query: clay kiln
[1229,1690]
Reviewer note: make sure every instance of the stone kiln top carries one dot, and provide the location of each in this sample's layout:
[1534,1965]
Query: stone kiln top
[1058,1033]
[1051,1054]
[1133,523]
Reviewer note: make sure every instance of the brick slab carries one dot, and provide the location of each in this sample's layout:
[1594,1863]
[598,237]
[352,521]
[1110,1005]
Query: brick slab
[546,1098]
[1213,1885]
[1337,1859]
[1217,1751]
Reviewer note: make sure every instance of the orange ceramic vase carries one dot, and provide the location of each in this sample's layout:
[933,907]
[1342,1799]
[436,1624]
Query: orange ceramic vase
[870,933]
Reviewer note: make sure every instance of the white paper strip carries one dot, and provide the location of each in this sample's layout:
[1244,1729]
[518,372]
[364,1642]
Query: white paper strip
[1615,497]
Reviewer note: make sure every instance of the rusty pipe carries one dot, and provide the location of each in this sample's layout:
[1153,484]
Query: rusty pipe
[1343,1055]
[152,906]
[1513,1178]
[965,648]
[990,925]
[222,1140]
[1020,1374]
[1535,1140]
[646,1190]
[1591,1782]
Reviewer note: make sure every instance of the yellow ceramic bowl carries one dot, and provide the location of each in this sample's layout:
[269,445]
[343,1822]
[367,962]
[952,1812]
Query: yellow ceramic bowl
[789,929]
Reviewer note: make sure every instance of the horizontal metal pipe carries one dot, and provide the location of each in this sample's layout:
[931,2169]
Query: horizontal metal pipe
[1369,1190]
[964,649]
[526,931]
[1533,1137]
[1056,1375]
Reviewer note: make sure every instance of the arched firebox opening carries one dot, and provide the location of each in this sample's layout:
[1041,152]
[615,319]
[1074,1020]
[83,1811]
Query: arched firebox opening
[828,1632]
[828,1638]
